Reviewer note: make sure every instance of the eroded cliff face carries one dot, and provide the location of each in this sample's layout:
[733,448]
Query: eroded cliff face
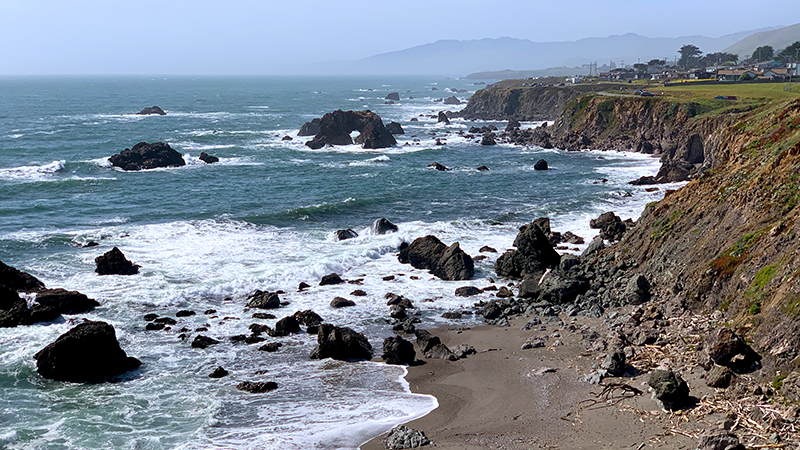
[728,240]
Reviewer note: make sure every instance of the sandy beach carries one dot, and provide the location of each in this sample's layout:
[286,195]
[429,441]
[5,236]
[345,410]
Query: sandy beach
[504,397]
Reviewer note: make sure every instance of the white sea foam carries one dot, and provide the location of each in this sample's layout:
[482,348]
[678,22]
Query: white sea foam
[33,173]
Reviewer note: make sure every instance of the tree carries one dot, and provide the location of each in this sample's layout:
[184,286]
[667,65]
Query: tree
[790,53]
[657,62]
[764,53]
[690,55]
[715,59]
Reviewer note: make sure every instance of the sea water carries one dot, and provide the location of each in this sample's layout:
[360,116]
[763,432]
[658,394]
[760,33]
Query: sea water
[264,217]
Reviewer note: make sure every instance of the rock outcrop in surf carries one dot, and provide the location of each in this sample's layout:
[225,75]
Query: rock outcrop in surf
[147,156]
[335,129]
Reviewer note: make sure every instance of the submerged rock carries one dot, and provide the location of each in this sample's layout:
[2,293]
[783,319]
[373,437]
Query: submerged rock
[113,262]
[147,156]
[152,110]
[257,387]
[87,353]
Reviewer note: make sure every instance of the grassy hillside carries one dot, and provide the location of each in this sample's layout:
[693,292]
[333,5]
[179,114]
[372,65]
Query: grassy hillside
[778,39]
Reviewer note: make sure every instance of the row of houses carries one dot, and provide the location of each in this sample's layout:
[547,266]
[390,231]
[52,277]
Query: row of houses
[772,71]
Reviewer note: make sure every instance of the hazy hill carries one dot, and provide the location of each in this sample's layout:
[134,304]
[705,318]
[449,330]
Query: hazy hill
[779,39]
[464,57]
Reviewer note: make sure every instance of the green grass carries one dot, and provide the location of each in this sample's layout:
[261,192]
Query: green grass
[744,92]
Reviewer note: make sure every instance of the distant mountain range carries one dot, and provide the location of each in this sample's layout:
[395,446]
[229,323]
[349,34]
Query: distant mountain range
[454,57]
[779,39]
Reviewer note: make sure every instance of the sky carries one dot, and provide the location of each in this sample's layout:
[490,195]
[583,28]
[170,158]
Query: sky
[272,37]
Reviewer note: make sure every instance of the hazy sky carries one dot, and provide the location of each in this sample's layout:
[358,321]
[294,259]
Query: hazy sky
[268,36]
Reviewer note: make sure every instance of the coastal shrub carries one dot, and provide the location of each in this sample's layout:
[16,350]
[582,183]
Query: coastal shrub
[755,308]
[777,383]
[726,263]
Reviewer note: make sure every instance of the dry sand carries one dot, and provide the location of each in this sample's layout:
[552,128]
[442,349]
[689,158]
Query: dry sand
[500,399]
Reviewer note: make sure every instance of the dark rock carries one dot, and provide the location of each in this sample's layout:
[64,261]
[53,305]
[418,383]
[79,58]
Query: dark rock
[637,291]
[504,292]
[286,326]
[442,117]
[482,169]
[395,128]
[41,313]
[329,279]
[208,159]
[401,437]
[264,316]
[152,110]
[303,286]
[439,142]
[271,347]
[394,299]
[383,226]
[219,372]
[398,312]
[342,235]
[308,318]
[534,254]
[540,165]
[467,291]
[452,315]
[720,440]
[669,388]
[567,262]
[113,262]
[447,263]
[726,348]
[263,300]
[560,289]
[66,302]
[13,309]
[487,249]
[185,313]
[166,320]
[17,280]
[719,377]
[438,166]
[257,387]
[341,343]
[464,350]
[610,225]
[595,246]
[287,138]
[614,363]
[432,347]
[513,124]
[388,278]
[89,352]
[529,288]
[393,96]
[152,326]
[339,302]
[257,328]
[491,311]
[147,156]
[210,311]
[201,341]
[150,317]
[452,100]
[358,293]
[335,129]
[488,139]
[309,128]
[397,350]
[571,238]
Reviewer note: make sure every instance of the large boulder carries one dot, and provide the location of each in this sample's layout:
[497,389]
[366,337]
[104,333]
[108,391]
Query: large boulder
[726,348]
[637,291]
[342,235]
[17,280]
[208,159]
[383,226]
[669,388]
[87,353]
[147,156]
[442,117]
[540,165]
[309,128]
[610,225]
[395,128]
[113,262]
[558,288]
[341,343]
[719,440]
[488,139]
[534,255]
[152,110]
[397,350]
[13,309]
[263,300]
[392,96]
[432,347]
[452,100]
[286,326]
[447,263]
[66,302]
[335,129]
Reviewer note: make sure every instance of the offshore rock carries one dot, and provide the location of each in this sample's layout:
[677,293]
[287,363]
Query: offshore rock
[452,100]
[309,128]
[257,387]
[147,156]
[395,128]
[383,226]
[488,139]
[342,235]
[263,300]
[341,343]
[442,117]
[208,159]
[540,165]
[152,110]
[335,129]
[66,302]
[13,309]
[113,262]
[393,96]
[534,255]
[447,263]
[87,353]
[18,280]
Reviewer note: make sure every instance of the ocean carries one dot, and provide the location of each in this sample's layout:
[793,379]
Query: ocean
[264,217]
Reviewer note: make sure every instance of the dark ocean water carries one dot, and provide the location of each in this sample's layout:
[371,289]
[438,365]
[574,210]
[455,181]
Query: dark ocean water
[261,218]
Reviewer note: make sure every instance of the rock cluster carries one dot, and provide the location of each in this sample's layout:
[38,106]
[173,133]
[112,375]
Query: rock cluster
[335,129]
[147,156]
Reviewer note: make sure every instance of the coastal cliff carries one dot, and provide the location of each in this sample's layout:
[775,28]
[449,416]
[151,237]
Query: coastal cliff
[727,241]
